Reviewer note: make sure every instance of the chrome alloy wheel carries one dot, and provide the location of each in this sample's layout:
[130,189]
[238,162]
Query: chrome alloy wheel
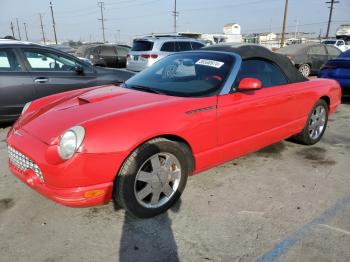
[305,70]
[317,122]
[157,180]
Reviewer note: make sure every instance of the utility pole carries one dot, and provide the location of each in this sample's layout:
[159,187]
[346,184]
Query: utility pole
[332,2]
[13,32]
[284,22]
[175,14]
[25,30]
[101,5]
[19,32]
[42,29]
[53,22]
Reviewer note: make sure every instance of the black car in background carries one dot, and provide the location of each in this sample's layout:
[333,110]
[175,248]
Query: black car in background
[309,58]
[31,71]
[106,55]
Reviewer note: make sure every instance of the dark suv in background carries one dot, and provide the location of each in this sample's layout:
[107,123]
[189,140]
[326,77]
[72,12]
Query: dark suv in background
[106,55]
[30,71]
[309,58]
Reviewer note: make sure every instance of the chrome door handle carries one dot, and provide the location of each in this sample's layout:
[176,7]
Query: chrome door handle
[41,80]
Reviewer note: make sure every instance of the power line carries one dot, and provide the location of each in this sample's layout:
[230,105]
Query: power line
[25,30]
[101,5]
[42,28]
[53,22]
[284,22]
[332,2]
[19,32]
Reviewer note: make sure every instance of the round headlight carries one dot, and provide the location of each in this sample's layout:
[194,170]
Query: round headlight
[25,108]
[70,142]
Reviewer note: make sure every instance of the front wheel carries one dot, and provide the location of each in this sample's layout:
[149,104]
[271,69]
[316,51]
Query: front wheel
[315,125]
[305,70]
[152,178]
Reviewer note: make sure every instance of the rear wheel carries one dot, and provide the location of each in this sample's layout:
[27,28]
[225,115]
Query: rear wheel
[152,178]
[315,125]
[305,69]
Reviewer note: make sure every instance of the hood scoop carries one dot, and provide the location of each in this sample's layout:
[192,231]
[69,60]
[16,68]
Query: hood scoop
[83,101]
[97,96]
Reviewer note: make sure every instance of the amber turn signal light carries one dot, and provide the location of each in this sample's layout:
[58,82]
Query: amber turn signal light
[94,193]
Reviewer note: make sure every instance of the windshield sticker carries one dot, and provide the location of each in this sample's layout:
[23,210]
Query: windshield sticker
[212,63]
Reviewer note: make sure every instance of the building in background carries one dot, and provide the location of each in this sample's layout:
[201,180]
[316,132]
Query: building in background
[231,34]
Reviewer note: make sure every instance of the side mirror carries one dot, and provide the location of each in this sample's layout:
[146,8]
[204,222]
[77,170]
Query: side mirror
[79,69]
[248,84]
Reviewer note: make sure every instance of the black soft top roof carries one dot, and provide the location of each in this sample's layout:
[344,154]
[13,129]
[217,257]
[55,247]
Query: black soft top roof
[250,51]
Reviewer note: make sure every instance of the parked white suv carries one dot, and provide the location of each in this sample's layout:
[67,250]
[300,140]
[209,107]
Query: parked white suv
[343,32]
[338,43]
[147,50]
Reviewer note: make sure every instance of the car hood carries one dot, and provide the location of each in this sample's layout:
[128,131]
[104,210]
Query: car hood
[50,121]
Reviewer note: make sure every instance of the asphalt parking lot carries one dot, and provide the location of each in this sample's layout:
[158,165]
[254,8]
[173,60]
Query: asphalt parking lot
[287,202]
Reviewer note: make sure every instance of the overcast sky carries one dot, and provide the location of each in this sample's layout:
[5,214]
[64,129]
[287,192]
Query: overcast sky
[78,19]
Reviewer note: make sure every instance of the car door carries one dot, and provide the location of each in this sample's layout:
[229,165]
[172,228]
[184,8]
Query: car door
[122,52]
[16,84]
[317,55]
[167,48]
[109,55]
[332,52]
[183,46]
[54,72]
[250,120]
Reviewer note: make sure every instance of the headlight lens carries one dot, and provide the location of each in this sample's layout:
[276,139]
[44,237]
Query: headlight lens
[70,142]
[25,108]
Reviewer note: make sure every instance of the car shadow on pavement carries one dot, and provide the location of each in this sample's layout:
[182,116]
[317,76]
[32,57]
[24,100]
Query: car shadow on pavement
[149,239]
[5,125]
[345,100]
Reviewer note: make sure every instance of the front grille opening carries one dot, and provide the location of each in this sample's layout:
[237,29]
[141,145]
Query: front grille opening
[23,163]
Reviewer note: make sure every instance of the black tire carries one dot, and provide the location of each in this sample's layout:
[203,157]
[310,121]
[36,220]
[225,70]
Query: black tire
[304,136]
[124,193]
[305,69]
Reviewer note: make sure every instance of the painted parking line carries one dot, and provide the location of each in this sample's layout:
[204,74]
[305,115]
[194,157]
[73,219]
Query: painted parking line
[286,244]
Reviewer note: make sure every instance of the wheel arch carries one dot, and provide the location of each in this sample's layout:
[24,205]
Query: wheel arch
[327,100]
[183,142]
[186,145]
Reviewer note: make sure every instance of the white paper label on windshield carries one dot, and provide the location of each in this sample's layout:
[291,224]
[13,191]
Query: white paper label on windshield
[212,63]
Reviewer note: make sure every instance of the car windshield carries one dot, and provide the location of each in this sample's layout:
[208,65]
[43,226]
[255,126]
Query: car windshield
[345,54]
[188,74]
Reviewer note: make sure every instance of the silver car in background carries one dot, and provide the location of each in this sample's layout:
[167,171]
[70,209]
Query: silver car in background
[147,50]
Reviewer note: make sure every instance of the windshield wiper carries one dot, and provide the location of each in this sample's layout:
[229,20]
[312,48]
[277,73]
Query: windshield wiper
[144,88]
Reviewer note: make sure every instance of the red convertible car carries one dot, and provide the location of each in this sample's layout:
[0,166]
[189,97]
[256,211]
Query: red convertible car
[137,143]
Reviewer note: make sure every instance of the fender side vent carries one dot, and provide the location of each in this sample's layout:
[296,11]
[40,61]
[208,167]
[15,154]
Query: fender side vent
[198,110]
